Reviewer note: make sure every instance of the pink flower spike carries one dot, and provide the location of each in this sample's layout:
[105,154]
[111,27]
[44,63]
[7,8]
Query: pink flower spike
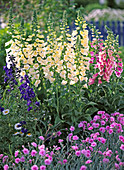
[34,167]
[88,161]
[6,167]
[83,167]
[41,137]
[42,167]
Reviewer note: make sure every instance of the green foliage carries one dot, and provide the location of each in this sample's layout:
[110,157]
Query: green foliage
[93,6]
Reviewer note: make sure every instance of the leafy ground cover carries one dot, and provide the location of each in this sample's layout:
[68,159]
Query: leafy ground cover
[61,101]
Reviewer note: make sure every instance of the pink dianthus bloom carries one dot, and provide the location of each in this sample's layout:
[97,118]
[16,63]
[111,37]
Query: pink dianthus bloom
[1,155]
[122,147]
[72,128]
[22,159]
[78,153]
[102,129]
[42,152]
[42,167]
[41,137]
[25,151]
[117,166]
[16,153]
[34,144]
[83,167]
[75,137]
[88,161]
[90,128]
[110,131]
[64,161]
[47,162]
[60,140]
[101,112]
[17,160]
[121,138]
[33,153]
[93,144]
[105,160]
[34,167]
[6,167]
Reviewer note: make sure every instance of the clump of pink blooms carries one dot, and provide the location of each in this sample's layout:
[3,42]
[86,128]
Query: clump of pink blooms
[102,146]
[105,62]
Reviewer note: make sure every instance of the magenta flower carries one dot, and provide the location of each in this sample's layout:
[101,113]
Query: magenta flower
[64,161]
[6,167]
[25,151]
[75,137]
[42,152]
[42,167]
[78,153]
[72,128]
[75,147]
[60,140]
[90,128]
[22,159]
[105,160]
[59,133]
[33,153]
[41,137]
[102,129]
[17,160]
[34,167]
[34,144]
[88,161]
[117,166]
[83,167]
[110,131]
[16,153]
[122,147]
[93,144]
[47,162]
[102,122]
[121,138]
[1,155]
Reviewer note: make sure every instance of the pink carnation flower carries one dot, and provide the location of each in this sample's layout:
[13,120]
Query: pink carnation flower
[75,137]
[34,167]
[34,144]
[72,128]
[83,167]
[25,151]
[122,147]
[17,160]
[88,161]
[42,167]
[6,167]
[47,162]
[41,137]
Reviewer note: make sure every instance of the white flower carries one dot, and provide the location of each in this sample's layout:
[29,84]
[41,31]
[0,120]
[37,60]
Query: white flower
[18,126]
[5,112]
[16,133]
[29,135]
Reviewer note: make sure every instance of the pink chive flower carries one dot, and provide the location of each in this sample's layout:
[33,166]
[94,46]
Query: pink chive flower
[72,128]
[88,161]
[42,152]
[122,147]
[17,160]
[75,137]
[42,167]
[105,160]
[41,137]
[33,153]
[93,144]
[83,167]
[34,144]
[16,153]
[6,167]
[47,162]
[22,159]
[60,140]
[64,161]
[78,153]
[25,151]
[34,167]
